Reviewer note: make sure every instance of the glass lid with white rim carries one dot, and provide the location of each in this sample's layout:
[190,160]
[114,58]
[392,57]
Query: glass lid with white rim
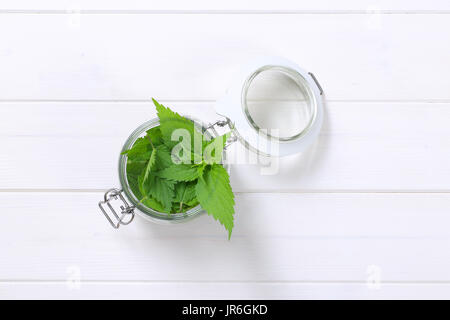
[273,107]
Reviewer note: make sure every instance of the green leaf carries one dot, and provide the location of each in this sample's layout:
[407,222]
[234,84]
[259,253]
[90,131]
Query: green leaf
[135,167]
[154,204]
[160,189]
[201,168]
[184,207]
[192,203]
[213,150]
[134,170]
[171,121]
[155,135]
[150,165]
[220,140]
[140,150]
[163,158]
[184,192]
[215,195]
[145,170]
[179,172]
[134,185]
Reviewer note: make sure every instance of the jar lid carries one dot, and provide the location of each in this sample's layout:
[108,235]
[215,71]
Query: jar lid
[274,107]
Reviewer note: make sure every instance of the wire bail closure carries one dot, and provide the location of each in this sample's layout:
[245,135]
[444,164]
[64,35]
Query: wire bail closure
[221,124]
[126,209]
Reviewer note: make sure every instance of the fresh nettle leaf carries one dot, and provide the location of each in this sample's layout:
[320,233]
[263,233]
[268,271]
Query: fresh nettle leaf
[155,135]
[133,182]
[184,194]
[201,168]
[152,203]
[159,189]
[140,150]
[161,178]
[185,191]
[178,130]
[213,150]
[215,195]
[150,165]
[135,167]
[192,203]
[163,157]
[137,159]
[179,172]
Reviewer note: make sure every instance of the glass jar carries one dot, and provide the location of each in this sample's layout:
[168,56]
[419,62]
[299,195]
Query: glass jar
[130,204]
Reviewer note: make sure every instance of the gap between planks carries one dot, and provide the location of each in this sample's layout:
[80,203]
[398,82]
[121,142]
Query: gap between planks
[230,12]
[415,282]
[207,101]
[358,191]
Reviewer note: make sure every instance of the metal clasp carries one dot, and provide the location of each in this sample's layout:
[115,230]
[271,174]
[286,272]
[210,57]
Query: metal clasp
[222,123]
[317,82]
[219,123]
[126,209]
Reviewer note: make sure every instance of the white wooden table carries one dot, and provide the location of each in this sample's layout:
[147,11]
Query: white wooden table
[364,214]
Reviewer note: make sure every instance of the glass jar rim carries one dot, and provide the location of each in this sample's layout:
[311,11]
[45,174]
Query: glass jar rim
[300,81]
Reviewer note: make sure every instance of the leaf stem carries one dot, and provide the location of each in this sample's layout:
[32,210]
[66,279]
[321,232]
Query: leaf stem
[151,143]
[143,199]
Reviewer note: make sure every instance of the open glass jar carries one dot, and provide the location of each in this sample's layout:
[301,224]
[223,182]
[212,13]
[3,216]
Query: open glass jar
[130,204]
[273,107]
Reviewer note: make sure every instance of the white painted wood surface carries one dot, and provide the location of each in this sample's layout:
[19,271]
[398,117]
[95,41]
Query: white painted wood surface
[235,6]
[363,214]
[132,57]
[278,237]
[364,146]
[214,290]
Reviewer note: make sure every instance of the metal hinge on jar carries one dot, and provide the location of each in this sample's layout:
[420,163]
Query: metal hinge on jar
[127,211]
[317,82]
[222,123]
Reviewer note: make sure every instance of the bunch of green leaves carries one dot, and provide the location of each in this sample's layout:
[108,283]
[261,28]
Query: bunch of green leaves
[173,173]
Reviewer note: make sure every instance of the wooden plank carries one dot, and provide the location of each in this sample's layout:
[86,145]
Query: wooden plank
[362,146]
[134,57]
[278,237]
[235,5]
[188,291]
